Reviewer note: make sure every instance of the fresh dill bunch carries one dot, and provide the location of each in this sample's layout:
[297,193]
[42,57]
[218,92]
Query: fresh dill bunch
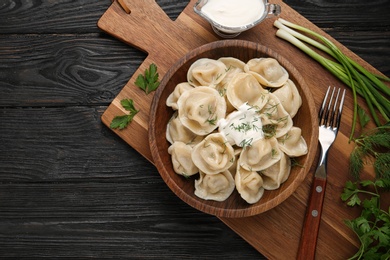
[372,148]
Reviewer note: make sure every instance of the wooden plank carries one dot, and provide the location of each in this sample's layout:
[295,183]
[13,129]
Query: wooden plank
[332,17]
[73,69]
[38,146]
[78,220]
[63,69]
[66,17]
[71,188]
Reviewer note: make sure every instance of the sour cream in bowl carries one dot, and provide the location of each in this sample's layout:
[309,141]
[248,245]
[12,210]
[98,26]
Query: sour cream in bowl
[229,18]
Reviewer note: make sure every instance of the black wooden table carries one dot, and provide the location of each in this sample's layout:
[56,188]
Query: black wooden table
[69,187]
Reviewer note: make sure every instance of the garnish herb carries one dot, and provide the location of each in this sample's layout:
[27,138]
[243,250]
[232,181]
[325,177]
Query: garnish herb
[243,127]
[246,143]
[363,117]
[222,92]
[285,138]
[294,162]
[224,147]
[149,81]
[373,225]
[372,147]
[368,85]
[211,120]
[185,175]
[122,121]
[269,130]
[271,110]
[273,153]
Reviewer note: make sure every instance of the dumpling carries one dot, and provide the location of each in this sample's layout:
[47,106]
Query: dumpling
[176,131]
[200,109]
[234,66]
[267,71]
[244,88]
[289,97]
[276,121]
[216,187]
[233,167]
[232,63]
[181,159]
[206,72]
[249,185]
[262,154]
[174,96]
[213,155]
[292,143]
[276,174]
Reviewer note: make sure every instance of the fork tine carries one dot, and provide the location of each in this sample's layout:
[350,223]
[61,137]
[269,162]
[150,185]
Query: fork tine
[321,112]
[329,107]
[334,111]
[330,112]
[340,110]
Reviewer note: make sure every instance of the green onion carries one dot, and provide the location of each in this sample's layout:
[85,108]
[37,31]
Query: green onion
[362,82]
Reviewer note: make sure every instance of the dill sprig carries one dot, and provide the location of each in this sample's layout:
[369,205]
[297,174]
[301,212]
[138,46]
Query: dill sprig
[373,148]
[269,130]
[212,119]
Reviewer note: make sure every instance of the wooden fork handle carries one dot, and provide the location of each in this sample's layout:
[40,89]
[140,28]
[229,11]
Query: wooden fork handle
[311,225]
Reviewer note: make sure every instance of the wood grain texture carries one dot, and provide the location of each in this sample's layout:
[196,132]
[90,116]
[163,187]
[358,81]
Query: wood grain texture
[79,190]
[56,223]
[94,197]
[53,70]
[43,17]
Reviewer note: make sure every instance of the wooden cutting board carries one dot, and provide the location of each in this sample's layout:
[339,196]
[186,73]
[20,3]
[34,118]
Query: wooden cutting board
[275,233]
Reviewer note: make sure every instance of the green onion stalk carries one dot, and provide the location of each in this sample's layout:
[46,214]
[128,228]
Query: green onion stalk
[362,82]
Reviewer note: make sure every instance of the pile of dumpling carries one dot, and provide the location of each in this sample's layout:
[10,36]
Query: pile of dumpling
[214,90]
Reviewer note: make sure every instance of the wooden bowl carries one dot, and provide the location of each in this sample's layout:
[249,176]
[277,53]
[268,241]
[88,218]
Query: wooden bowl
[234,206]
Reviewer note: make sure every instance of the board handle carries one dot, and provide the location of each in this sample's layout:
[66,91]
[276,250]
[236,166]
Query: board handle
[144,20]
[124,6]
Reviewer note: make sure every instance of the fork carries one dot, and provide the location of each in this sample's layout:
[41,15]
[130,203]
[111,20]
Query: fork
[329,123]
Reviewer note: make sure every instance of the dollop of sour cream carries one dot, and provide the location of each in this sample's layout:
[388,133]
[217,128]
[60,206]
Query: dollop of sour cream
[242,127]
[234,13]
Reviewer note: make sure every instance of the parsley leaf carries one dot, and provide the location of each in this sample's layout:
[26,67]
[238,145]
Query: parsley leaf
[373,225]
[122,121]
[149,81]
